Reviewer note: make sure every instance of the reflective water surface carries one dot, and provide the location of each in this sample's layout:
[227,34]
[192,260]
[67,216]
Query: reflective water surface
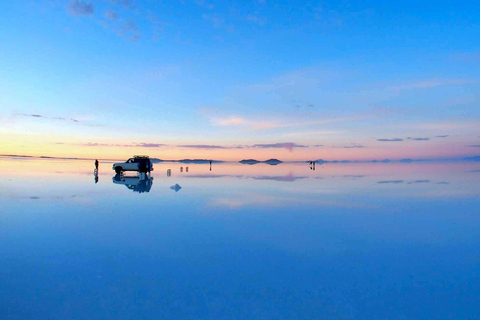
[346,241]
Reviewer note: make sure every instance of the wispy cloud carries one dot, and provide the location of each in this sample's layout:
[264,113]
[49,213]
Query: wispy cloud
[96,144]
[279,145]
[205,4]
[111,15]
[203,146]
[39,116]
[418,139]
[80,8]
[150,145]
[111,19]
[99,144]
[474,146]
[130,30]
[230,121]
[256,19]
[444,136]
[242,122]
[218,21]
[310,133]
[402,181]
[419,181]
[214,19]
[286,145]
[390,140]
[400,139]
[447,125]
[249,124]
[353,146]
[391,182]
[124,3]
[426,84]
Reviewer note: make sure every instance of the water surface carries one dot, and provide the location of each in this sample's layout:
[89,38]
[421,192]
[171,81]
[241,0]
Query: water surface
[346,241]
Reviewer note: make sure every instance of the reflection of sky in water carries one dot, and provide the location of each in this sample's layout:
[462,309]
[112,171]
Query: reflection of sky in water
[363,241]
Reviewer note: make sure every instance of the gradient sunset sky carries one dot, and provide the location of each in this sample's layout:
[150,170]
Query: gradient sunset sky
[293,80]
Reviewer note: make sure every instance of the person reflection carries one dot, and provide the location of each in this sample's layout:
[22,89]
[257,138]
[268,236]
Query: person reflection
[210,165]
[312,165]
[95,174]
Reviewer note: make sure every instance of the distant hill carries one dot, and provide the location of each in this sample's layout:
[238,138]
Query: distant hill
[272,162]
[384,161]
[249,161]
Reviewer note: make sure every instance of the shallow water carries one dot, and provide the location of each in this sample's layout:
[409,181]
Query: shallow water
[346,241]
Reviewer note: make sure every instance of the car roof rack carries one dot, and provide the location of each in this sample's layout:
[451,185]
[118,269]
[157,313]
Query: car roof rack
[141,157]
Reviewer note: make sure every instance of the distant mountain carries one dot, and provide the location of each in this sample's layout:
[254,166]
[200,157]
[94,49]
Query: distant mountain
[272,162]
[249,161]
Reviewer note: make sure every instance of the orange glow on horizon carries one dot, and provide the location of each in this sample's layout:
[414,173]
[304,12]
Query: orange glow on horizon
[37,146]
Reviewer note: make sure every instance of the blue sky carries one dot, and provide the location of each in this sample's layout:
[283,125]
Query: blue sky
[338,79]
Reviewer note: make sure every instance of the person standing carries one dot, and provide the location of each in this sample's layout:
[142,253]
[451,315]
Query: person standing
[96,164]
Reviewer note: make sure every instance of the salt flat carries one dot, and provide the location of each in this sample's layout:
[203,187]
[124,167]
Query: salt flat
[346,241]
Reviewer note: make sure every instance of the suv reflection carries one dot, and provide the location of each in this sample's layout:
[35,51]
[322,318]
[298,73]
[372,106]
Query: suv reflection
[141,183]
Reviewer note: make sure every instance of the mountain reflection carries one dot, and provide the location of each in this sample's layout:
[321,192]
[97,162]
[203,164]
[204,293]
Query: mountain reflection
[288,177]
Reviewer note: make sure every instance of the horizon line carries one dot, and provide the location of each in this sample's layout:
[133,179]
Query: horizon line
[320,161]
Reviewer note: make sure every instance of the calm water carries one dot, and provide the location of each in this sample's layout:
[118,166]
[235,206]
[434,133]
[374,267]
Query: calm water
[346,241]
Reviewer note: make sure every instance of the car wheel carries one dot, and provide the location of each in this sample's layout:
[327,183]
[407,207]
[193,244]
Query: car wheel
[118,169]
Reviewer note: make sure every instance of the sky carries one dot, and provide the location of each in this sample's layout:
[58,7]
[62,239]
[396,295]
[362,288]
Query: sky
[293,80]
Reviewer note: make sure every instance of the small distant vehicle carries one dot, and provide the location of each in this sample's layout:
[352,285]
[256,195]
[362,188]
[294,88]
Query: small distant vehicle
[137,163]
